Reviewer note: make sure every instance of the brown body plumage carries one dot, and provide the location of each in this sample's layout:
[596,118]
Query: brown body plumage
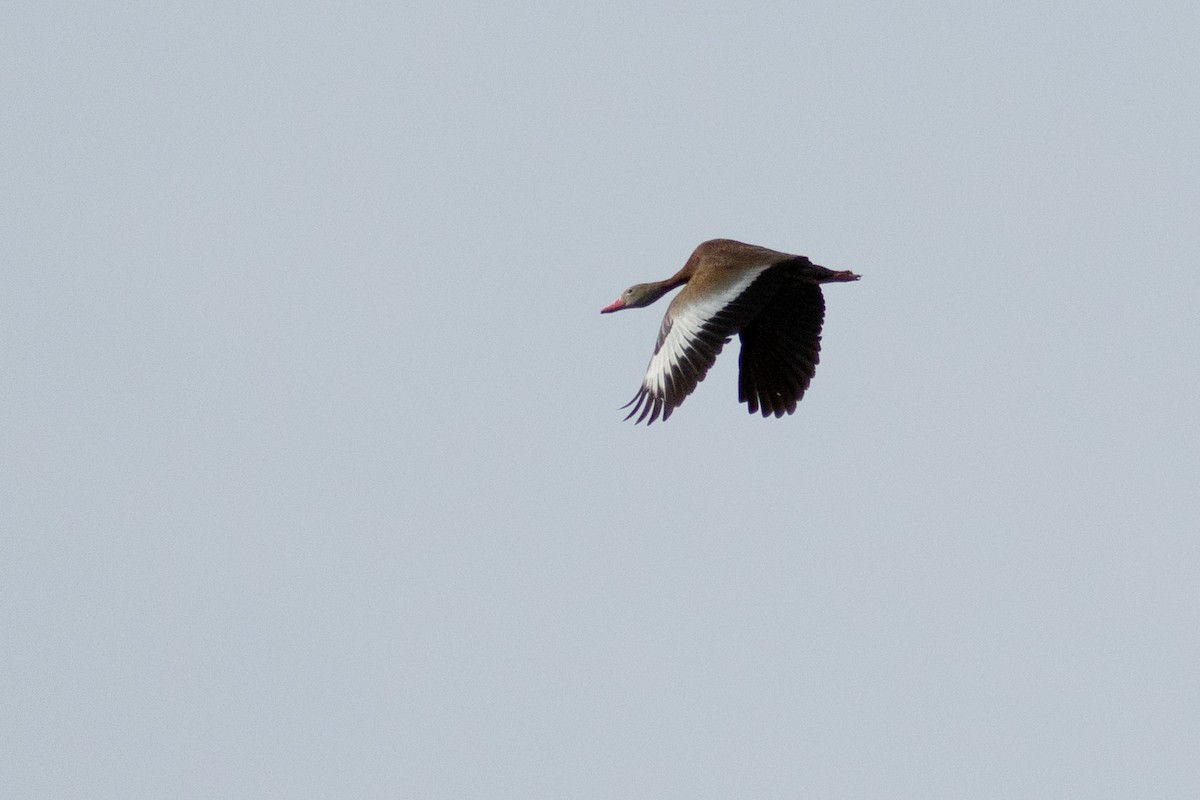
[773,302]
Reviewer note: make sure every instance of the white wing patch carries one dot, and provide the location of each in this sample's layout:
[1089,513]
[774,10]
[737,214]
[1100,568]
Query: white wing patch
[687,322]
[686,349]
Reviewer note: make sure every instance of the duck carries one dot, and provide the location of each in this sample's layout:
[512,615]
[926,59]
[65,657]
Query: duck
[771,300]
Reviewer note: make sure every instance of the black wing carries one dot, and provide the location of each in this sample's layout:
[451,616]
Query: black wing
[780,349]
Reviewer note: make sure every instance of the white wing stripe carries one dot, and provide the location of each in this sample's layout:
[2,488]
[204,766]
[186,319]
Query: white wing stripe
[686,325]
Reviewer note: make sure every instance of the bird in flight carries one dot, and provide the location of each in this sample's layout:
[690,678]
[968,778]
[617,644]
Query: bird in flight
[771,300]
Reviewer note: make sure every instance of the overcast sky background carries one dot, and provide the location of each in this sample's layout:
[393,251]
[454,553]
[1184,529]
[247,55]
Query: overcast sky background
[314,480]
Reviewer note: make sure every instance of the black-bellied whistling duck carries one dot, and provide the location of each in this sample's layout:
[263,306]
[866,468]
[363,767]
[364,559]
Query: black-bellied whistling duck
[771,300]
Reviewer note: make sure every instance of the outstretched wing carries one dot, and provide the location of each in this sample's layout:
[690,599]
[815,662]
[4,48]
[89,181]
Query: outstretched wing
[695,329]
[780,349]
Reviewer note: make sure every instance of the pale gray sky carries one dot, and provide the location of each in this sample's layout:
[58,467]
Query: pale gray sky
[314,482]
